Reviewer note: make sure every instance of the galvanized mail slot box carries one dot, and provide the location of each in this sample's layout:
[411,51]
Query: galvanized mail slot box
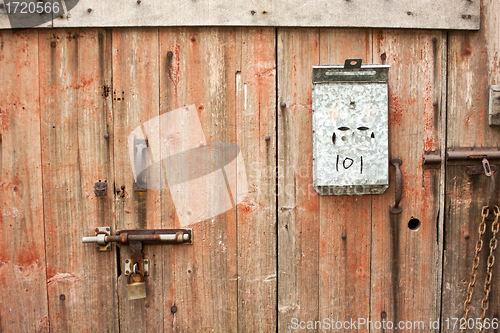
[350,129]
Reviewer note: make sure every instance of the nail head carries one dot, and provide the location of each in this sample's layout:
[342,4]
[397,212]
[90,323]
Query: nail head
[106,136]
[344,236]
[89,10]
[283,104]
[62,297]
[170,54]
[173,309]
[383,314]
[53,44]
[268,138]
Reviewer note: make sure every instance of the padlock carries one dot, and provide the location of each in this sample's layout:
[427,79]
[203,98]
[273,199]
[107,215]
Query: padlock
[136,289]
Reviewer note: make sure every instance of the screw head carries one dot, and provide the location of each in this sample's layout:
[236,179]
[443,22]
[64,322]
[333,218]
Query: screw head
[89,10]
[173,309]
[434,40]
[107,229]
[62,297]
[127,261]
[383,56]
[283,104]
[96,229]
[170,54]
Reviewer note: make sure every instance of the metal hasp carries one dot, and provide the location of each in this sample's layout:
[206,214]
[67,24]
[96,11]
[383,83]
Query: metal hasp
[477,160]
[350,128]
[494,117]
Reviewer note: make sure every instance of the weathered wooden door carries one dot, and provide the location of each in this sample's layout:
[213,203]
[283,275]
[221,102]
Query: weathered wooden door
[283,257]
[72,98]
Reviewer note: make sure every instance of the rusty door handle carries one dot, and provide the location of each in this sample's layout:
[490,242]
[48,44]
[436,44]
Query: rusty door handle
[399,186]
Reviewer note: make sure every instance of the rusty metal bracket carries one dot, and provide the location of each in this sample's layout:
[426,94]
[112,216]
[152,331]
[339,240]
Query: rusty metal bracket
[100,239]
[101,188]
[353,63]
[129,267]
[492,189]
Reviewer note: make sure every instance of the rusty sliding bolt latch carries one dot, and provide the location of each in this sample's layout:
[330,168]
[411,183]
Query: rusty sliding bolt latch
[150,236]
[137,266]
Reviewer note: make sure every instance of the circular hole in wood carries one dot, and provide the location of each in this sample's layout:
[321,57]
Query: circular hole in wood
[414,224]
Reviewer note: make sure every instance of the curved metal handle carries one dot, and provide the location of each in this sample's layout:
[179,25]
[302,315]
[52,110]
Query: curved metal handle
[399,186]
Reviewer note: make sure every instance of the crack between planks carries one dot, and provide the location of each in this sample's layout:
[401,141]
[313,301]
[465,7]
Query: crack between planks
[163,249]
[111,34]
[371,211]
[442,187]
[276,179]
[42,173]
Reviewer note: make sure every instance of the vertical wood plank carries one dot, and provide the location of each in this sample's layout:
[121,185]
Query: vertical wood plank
[298,203]
[74,69]
[23,305]
[135,95]
[405,262]
[473,66]
[201,278]
[256,135]
[344,264]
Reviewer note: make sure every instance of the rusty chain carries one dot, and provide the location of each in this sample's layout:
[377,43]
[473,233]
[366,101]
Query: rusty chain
[489,270]
[475,264]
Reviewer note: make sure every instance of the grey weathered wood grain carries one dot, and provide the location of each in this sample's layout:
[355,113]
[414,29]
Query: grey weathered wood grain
[473,67]
[298,202]
[427,14]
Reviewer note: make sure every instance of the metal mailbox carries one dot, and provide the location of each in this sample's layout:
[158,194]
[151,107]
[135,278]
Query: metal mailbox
[350,129]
